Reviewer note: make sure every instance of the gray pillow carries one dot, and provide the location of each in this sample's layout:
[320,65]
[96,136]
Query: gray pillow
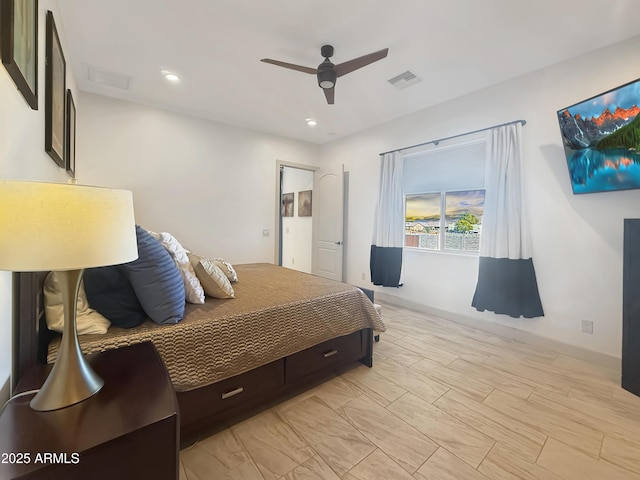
[156,280]
[111,294]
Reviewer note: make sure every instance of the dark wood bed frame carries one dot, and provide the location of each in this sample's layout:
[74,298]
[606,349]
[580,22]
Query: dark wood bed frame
[212,407]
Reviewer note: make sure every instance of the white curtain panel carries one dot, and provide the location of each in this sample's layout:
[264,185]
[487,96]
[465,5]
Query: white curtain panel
[506,276]
[388,225]
[505,230]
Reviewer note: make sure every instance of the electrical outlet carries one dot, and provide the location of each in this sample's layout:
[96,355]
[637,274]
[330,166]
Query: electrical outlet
[364,276]
[293,261]
[587,326]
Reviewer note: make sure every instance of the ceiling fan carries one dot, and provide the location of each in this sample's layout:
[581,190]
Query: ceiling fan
[327,72]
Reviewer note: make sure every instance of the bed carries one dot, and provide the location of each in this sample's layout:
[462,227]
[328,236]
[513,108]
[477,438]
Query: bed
[283,331]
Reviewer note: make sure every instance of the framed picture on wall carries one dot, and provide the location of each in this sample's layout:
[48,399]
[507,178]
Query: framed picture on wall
[287,204]
[19,45]
[70,145]
[304,203]
[55,95]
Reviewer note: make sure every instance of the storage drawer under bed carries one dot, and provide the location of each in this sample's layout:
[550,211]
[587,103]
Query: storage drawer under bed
[227,400]
[336,351]
[227,394]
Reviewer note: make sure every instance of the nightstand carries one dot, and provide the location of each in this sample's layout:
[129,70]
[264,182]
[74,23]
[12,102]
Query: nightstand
[128,430]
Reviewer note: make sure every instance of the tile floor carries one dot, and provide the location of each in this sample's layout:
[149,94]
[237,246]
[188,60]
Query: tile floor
[442,402]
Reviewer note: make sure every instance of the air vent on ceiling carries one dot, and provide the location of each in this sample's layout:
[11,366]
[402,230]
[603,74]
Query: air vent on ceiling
[109,78]
[404,80]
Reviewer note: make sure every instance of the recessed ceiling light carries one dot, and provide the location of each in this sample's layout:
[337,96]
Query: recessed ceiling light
[172,77]
[311,122]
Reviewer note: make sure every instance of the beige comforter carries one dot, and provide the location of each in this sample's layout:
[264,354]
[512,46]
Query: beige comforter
[275,312]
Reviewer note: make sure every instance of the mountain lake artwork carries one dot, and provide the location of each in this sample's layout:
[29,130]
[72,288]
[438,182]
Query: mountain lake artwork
[601,139]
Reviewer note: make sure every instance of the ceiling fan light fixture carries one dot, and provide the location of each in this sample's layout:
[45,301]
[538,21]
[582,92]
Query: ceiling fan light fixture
[327,79]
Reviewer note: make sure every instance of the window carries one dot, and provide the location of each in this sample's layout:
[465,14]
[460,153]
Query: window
[444,221]
[444,198]
[422,220]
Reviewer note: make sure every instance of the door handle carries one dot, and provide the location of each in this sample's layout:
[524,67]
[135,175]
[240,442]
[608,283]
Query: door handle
[338,242]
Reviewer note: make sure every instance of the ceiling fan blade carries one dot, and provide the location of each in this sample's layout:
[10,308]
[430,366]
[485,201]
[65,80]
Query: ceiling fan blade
[329,94]
[356,63]
[292,66]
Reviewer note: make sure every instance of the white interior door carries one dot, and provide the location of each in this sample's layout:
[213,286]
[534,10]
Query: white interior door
[328,203]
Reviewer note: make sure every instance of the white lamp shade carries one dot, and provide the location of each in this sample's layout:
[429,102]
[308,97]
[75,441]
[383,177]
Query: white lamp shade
[49,226]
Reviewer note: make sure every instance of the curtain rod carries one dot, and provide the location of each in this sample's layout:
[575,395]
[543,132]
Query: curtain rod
[436,142]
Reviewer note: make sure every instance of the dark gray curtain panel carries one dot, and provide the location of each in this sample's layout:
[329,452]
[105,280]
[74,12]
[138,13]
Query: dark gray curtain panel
[509,287]
[386,266]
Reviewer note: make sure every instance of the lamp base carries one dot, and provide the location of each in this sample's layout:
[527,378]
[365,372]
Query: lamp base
[72,380]
[67,386]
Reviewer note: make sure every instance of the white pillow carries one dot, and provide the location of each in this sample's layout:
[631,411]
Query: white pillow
[227,268]
[215,282]
[192,286]
[88,321]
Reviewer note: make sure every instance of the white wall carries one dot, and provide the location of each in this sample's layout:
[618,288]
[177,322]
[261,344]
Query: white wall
[22,157]
[577,240]
[296,230]
[212,185]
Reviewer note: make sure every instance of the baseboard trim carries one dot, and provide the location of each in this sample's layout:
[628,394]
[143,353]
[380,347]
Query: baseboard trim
[601,359]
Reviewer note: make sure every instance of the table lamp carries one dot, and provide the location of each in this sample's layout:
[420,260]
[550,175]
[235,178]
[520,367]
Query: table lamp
[65,228]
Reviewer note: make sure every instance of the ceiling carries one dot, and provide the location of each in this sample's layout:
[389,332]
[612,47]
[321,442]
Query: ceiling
[454,46]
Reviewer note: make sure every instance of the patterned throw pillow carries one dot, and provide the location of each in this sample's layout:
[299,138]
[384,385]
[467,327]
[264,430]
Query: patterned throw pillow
[213,279]
[227,268]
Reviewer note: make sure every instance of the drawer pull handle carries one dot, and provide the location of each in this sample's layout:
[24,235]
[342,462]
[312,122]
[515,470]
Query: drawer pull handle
[330,353]
[231,393]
